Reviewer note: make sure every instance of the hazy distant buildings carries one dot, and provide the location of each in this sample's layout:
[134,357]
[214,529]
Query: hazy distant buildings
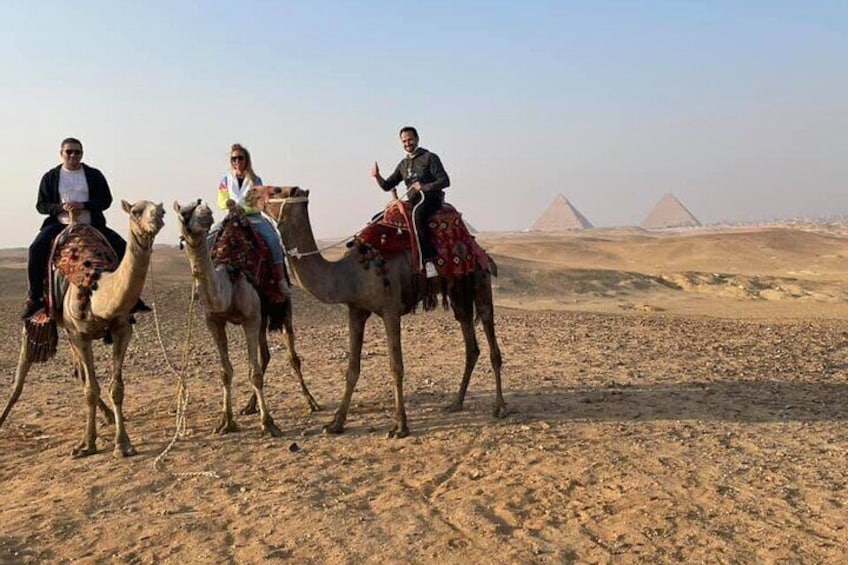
[561,216]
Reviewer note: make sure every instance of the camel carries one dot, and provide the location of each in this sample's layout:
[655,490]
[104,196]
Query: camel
[364,292]
[235,300]
[106,313]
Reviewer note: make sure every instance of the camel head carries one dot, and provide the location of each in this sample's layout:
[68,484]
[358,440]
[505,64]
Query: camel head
[146,220]
[195,220]
[274,197]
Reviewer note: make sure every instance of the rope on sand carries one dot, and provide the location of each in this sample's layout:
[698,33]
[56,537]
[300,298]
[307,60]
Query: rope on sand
[182,388]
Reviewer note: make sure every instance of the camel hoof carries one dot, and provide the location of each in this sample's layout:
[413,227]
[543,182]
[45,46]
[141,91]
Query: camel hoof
[271,429]
[249,408]
[226,428]
[453,407]
[83,450]
[500,411]
[314,406]
[397,433]
[123,451]
[333,428]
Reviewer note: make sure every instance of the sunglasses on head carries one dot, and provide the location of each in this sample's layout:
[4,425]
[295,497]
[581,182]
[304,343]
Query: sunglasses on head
[73,152]
[237,158]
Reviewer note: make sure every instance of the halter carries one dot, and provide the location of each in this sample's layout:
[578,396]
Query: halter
[294,252]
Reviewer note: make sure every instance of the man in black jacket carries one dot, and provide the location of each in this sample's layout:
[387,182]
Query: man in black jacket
[426,181]
[72,186]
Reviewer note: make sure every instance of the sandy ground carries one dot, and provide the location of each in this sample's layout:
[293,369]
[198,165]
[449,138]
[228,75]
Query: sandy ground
[674,398]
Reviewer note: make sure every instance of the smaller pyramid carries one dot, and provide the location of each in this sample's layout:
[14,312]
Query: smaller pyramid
[561,216]
[670,213]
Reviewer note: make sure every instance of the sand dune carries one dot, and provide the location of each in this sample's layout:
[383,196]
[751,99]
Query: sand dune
[675,397]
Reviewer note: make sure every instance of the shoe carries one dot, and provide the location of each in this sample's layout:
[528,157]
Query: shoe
[430,270]
[140,306]
[285,289]
[31,307]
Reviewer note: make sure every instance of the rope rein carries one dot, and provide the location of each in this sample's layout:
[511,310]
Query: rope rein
[182,388]
[297,254]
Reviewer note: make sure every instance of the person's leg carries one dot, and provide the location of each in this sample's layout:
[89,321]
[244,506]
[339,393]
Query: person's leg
[115,240]
[271,236]
[39,255]
[421,214]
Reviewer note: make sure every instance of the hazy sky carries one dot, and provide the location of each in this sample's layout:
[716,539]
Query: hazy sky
[740,108]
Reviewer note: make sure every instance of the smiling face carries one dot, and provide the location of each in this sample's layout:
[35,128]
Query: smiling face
[71,155]
[409,141]
[238,161]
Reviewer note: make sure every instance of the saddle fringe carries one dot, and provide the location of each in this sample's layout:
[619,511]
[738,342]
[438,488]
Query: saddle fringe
[42,338]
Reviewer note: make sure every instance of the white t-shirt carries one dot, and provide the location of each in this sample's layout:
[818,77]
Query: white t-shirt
[73,188]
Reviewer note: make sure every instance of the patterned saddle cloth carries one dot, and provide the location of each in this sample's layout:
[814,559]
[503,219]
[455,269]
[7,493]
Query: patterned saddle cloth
[81,254]
[242,249]
[459,253]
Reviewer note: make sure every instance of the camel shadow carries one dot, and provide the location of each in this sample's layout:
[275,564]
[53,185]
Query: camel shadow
[758,401]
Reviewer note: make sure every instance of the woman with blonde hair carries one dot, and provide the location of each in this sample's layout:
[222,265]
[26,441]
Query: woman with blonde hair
[235,186]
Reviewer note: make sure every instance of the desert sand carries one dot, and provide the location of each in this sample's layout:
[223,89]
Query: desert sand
[675,397]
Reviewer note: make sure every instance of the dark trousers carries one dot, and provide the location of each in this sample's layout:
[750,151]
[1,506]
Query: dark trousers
[422,210]
[39,254]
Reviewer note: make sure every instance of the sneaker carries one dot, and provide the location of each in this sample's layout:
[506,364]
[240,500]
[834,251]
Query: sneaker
[31,307]
[430,270]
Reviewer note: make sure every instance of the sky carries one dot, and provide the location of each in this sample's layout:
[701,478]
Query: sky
[738,108]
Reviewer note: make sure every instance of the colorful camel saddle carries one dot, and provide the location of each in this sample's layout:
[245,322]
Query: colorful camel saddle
[459,254]
[242,249]
[81,254]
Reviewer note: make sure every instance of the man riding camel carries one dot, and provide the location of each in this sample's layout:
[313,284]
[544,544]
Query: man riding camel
[425,179]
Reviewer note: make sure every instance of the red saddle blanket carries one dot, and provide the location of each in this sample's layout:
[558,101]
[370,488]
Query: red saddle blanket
[80,255]
[458,252]
[241,249]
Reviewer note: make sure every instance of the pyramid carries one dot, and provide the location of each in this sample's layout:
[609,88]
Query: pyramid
[471,229]
[561,216]
[670,213]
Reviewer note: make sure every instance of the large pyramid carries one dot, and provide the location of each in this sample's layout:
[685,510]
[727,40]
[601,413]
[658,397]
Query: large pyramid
[561,216]
[670,213]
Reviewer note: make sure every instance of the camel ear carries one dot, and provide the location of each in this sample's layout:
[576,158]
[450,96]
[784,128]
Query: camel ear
[126,206]
[177,207]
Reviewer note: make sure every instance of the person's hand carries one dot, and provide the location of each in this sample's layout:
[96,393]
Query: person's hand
[69,206]
[416,186]
[375,170]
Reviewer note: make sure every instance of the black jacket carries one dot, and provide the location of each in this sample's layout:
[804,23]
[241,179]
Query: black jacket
[99,196]
[424,167]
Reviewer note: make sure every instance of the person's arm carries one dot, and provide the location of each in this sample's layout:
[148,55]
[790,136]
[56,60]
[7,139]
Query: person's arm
[436,169]
[388,183]
[223,194]
[47,202]
[99,195]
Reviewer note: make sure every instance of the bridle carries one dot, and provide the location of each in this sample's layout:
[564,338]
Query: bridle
[294,253]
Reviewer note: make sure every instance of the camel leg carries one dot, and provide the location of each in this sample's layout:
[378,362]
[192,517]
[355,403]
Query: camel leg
[20,377]
[121,336]
[472,353]
[356,319]
[392,325]
[264,359]
[486,311]
[83,352]
[257,377]
[294,360]
[219,334]
[108,415]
